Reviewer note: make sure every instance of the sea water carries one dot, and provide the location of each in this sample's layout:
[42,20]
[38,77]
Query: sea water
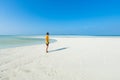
[8,41]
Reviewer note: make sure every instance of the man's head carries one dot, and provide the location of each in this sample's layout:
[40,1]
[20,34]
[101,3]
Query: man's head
[47,33]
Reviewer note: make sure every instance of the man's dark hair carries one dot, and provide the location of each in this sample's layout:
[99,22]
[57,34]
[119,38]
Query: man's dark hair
[47,33]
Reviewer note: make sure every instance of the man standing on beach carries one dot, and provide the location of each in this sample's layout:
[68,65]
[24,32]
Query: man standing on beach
[47,41]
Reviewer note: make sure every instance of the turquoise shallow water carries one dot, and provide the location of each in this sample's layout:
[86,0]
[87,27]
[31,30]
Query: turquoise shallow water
[7,41]
[16,41]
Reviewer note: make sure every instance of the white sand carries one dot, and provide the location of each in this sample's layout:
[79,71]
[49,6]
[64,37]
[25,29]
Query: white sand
[90,58]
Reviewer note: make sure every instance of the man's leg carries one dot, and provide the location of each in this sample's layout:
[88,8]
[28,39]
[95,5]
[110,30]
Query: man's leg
[47,48]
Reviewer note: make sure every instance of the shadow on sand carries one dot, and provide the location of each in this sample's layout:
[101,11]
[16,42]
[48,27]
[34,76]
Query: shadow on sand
[59,49]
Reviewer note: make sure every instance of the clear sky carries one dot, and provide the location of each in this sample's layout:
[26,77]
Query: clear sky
[85,17]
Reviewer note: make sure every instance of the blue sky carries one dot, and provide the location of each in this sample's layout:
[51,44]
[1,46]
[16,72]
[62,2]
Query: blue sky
[85,17]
